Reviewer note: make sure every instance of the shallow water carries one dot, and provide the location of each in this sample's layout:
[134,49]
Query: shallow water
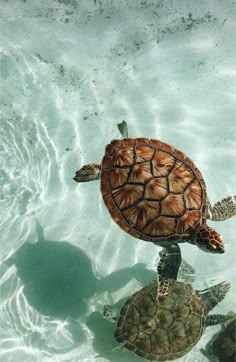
[70,71]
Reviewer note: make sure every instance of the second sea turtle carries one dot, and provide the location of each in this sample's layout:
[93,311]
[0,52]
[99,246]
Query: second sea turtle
[168,328]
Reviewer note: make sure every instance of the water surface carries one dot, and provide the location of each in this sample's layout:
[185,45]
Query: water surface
[70,71]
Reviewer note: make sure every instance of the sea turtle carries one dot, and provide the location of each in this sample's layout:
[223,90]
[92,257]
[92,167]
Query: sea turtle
[167,328]
[156,193]
[222,346]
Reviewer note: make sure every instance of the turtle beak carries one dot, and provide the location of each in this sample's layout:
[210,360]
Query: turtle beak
[218,249]
[75,178]
[221,250]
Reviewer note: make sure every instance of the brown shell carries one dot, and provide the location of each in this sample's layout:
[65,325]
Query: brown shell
[165,329]
[152,191]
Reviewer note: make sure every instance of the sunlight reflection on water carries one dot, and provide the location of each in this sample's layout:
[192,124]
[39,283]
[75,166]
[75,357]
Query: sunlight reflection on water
[70,72]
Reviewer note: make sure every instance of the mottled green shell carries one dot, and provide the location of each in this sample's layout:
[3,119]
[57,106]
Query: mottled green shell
[165,329]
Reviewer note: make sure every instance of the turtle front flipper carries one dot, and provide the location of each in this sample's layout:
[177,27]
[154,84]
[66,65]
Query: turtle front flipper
[213,295]
[207,239]
[215,319]
[167,269]
[223,209]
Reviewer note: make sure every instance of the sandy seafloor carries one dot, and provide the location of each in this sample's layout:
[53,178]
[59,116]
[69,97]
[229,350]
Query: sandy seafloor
[70,71]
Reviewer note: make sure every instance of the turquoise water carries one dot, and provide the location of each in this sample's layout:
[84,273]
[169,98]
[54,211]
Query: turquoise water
[69,72]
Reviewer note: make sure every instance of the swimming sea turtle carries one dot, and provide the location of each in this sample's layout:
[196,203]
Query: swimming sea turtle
[156,193]
[222,346]
[166,329]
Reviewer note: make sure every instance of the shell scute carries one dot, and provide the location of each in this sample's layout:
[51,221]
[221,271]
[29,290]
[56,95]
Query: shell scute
[193,195]
[129,141]
[124,156]
[133,315]
[132,333]
[117,143]
[143,212]
[110,150]
[188,221]
[156,188]
[162,163]
[141,141]
[108,201]
[116,215]
[164,317]
[106,162]
[160,343]
[204,208]
[105,189]
[127,195]
[120,323]
[180,155]
[190,163]
[105,176]
[178,343]
[199,176]
[180,177]
[173,205]
[143,345]
[168,148]
[123,224]
[144,153]
[136,234]
[182,313]
[118,177]
[156,144]
[145,305]
[162,226]
[141,353]
[194,327]
[130,346]
[141,172]
[196,304]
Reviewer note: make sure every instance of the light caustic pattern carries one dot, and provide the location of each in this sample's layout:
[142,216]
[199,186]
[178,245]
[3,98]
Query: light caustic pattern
[26,159]
[70,71]
[27,333]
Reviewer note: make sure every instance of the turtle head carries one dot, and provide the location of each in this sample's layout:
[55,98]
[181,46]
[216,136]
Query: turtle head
[209,240]
[88,172]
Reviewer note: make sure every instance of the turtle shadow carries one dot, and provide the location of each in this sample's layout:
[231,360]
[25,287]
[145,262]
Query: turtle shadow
[58,277]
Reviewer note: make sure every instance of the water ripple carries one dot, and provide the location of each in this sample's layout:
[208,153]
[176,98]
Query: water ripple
[24,144]
[70,71]
[24,328]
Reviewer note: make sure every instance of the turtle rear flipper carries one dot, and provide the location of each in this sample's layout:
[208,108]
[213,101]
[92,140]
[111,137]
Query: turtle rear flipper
[123,128]
[167,269]
[223,209]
